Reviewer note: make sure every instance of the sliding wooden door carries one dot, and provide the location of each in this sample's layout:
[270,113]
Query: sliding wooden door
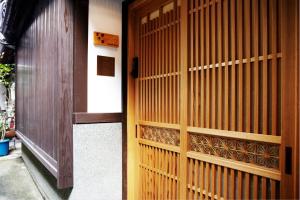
[213,110]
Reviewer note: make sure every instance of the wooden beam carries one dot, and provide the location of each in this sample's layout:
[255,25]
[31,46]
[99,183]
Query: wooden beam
[87,118]
[80,55]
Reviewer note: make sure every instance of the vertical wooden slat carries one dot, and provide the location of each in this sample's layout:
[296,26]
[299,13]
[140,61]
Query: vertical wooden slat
[140,71]
[146,71]
[174,63]
[156,66]
[202,65]
[273,189]
[143,73]
[201,185]
[226,78]
[220,68]
[247,186]
[273,9]
[160,66]
[207,47]
[219,182]
[213,180]
[232,184]
[159,177]
[167,188]
[248,55]
[240,66]
[265,67]
[174,174]
[151,65]
[163,67]
[192,40]
[169,100]
[197,24]
[196,174]
[225,194]
[255,187]
[213,61]
[239,185]
[207,178]
[190,173]
[183,98]
[165,177]
[255,11]
[233,58]
[178,61]
[264,188]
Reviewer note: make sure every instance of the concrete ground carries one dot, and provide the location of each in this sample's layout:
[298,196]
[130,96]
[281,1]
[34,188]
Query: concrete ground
[15,180]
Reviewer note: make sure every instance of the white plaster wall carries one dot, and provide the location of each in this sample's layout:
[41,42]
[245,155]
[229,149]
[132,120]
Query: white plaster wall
[104,93]
[97,161]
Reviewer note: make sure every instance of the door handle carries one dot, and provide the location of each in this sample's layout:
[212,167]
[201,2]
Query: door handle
[288,160]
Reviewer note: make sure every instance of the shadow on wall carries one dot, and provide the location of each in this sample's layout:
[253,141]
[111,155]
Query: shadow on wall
[47,176]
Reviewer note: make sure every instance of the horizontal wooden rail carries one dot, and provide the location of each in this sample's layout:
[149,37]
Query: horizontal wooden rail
[40,154]
[237,165]
[157,124]
[203,192]
[160,29]
[159,76]
[160,172]
[244,61]
[160,145]
[86,118]
[237,135]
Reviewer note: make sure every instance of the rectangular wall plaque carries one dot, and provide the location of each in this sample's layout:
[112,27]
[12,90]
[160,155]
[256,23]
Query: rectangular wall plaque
[105,66]
[106,39]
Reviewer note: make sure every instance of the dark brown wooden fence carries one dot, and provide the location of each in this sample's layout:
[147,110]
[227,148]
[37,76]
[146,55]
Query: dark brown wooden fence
[44,89]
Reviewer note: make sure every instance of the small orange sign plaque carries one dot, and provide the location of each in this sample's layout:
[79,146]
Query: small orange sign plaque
[106,39]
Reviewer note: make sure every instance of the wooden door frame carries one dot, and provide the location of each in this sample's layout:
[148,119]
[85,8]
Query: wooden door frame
[290,99]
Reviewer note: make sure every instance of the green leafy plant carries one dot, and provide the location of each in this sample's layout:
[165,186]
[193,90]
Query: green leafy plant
[7,76]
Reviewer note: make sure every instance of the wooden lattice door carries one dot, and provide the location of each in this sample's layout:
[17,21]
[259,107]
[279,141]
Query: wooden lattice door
[210,100]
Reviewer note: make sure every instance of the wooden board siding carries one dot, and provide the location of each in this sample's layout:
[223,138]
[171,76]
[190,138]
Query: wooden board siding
[44,88]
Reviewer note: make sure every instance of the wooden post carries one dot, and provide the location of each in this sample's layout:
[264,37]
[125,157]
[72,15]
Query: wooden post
[183,99]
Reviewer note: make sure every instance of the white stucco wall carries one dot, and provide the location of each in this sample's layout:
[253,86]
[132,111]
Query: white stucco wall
[104,93]
[97,161]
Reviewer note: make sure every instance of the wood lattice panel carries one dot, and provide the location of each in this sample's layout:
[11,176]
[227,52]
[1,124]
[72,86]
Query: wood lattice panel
[206,180]
[235,65]
[159,63]
[159,169]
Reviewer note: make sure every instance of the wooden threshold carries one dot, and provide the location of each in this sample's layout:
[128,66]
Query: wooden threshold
[88,118]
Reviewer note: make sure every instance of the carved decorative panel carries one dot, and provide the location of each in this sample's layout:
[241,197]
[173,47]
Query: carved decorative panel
[162,135]
[263,154]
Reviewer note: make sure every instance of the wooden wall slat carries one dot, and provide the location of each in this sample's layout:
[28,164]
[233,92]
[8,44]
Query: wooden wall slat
[44,92]
[233,67]
[240,95]
[255,10]
[265,66]
[208,52]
